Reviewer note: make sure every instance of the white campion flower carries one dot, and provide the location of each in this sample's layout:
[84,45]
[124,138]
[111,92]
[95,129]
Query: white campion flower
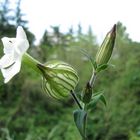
[14,48]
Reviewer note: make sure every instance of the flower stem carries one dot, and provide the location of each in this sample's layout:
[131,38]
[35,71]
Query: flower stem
[91,84]
[92,79]
[75,99]
[31,62]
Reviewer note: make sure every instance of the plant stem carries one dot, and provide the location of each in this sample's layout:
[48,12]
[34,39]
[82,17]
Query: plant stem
[31,62]
[92,79]
[76,99]
[91,84]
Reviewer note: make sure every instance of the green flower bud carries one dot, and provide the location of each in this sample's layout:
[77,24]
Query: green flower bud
[87,93]
[105,51]
[59,78]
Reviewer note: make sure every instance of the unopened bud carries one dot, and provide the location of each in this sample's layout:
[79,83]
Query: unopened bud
[105,51]
[87,93]
[59,78]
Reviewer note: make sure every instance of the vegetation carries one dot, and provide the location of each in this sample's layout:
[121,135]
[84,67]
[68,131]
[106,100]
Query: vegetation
[27,113]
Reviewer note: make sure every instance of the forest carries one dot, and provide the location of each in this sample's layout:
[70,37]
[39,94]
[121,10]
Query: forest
[28,113]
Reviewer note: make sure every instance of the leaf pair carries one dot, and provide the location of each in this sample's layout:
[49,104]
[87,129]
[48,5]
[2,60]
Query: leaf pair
[95,99]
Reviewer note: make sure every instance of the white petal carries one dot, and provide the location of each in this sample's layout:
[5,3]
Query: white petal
[14,48]
[21,46]
[10,72]
[20,33]
[22,43]
[6,60]
[8,44]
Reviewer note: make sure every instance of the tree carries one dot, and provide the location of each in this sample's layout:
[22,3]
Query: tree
[123,36]
[11,18]
[5,19]
[4,12]
[19,15]
[46,39]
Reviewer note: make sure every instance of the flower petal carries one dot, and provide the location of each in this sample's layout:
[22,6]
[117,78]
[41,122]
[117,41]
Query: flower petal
[20,33]
[10,72]
[22,43]
[21,46]
[14,48]
[6,61]
[8,44]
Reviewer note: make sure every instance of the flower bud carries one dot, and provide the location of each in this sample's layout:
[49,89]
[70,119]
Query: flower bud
[87,93]
[105,51]
[59,78]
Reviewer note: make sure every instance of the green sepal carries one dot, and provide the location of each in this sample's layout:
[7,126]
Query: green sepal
[95,99]
[80,117]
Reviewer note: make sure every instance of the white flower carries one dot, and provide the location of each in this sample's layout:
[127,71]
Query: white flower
[14,48]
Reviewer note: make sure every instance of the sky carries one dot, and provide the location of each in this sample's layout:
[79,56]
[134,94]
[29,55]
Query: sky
[100,14]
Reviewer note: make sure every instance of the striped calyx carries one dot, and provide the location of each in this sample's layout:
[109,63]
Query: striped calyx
[105,51]
[59,78]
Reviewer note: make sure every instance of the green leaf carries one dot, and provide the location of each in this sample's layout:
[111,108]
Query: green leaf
[102,98]
[95,99]
[93,62]
[80,121]
[102,67]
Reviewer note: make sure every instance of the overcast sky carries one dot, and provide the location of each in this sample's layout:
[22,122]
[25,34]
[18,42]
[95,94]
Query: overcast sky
[100,14]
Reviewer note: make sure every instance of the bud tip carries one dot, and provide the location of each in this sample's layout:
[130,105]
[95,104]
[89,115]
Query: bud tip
[114,29]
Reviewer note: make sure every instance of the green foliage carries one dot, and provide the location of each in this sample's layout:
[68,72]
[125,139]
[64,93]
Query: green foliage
[95,99]
[80,117]
[26,113]
[101,67]
[133,136]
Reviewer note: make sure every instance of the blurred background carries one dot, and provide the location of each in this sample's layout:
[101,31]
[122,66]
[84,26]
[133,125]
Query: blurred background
[27,113]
